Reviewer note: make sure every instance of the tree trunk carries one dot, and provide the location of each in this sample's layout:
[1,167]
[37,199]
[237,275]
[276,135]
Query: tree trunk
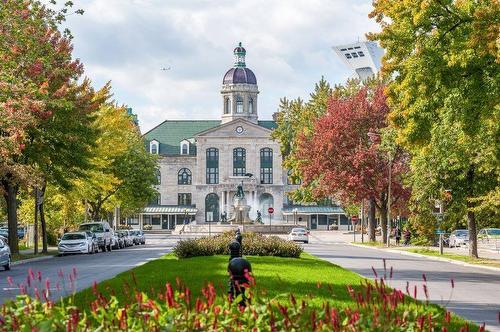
[11,201]
[35,224]
[372,223]
[471,217]
[383,221]
[95,211]
[42,218]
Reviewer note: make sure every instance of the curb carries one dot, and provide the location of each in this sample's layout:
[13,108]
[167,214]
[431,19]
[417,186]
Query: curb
[452,261]
[31,260]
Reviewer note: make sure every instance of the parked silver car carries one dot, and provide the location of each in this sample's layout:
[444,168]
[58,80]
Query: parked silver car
[5,257]
[139,237]
[77,242]
[458,238]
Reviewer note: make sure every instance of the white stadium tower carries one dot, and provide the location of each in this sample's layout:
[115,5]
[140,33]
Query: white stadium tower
[364,58]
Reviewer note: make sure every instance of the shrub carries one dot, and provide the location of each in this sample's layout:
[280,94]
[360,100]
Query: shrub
[253,244]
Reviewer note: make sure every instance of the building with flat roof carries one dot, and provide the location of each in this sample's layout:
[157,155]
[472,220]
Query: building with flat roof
[202,162]
[364,58]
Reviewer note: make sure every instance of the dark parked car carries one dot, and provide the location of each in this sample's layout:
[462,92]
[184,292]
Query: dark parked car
[4,231]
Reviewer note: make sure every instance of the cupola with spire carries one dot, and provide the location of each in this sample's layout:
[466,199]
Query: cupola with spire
[239,90]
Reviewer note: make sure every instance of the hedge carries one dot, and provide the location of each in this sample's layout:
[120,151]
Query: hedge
[253,245]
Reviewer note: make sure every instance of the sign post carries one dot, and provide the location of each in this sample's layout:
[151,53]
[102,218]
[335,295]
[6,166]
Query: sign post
[354,220]
[270,210]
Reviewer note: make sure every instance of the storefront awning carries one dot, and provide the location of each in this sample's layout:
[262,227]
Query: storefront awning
[309,210]
[170,209]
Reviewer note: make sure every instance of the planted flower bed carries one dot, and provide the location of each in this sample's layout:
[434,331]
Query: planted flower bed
[173,308]
[253,245]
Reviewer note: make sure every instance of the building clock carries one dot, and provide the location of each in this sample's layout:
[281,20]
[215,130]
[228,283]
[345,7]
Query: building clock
[239,130]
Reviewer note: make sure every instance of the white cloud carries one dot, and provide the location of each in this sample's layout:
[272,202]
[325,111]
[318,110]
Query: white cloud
[288,47]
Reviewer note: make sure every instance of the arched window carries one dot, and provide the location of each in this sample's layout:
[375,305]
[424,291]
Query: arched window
[184,176]
[265,202]
[239,104]
[185,149]
[266,166]
[250,105]
[227,106]
[158,176]
[239,162]
[212,166]
[212,208]
[154,147]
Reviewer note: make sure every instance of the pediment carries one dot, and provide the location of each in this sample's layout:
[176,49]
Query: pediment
[236,128]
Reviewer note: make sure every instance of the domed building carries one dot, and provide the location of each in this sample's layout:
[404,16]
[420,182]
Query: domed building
[202,162]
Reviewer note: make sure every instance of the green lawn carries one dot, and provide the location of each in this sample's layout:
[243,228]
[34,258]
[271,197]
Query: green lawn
[278,276]
[463,258]
[20,257]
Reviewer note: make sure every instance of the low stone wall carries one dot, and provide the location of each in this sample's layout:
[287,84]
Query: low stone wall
[205,229]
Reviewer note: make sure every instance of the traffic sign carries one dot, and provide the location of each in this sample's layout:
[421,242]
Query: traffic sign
[354,219]
[270,210]
[440,232]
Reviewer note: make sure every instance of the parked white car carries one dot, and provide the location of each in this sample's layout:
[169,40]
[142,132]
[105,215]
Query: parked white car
[458,238]
[5,257]
[102,231]
[299,234]
[77,243]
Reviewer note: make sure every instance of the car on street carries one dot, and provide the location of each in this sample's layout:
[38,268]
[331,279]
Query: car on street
[127,237]
[94,239]
[458,237]
[139,237]
[5,256]
[102,231]
[118,241]
[299,234]
[122,238]
[4,231]
[77,243]
[489,235]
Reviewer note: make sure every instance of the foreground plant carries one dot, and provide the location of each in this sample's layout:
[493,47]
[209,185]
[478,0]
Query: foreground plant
[173,308]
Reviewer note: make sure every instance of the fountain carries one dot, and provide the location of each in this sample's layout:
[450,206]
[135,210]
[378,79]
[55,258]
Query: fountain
[240,208]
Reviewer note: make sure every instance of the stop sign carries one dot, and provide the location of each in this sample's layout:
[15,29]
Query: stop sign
[270,210]
[354,219]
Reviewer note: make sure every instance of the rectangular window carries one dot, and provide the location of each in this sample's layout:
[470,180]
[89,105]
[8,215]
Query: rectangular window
[266,166]
[239,162]
[183,199]
[212,166]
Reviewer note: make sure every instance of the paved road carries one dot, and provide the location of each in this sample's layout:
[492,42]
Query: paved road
[89,268]
[476,295]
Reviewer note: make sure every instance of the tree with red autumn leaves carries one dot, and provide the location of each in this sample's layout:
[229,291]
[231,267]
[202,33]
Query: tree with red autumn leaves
[39,97]
[342,160]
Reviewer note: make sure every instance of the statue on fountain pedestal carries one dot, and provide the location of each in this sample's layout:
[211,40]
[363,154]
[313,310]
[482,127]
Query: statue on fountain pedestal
[240,207]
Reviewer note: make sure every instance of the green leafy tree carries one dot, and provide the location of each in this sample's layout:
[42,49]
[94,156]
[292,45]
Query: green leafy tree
[121,173]
[443,59]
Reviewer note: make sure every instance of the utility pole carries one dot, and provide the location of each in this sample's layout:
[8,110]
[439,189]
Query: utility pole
[362,220]
[35,224]
[389,203]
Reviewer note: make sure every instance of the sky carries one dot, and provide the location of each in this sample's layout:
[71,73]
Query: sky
[288,47]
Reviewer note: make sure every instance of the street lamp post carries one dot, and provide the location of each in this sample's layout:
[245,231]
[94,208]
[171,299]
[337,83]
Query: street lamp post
[389,202]
[295,216]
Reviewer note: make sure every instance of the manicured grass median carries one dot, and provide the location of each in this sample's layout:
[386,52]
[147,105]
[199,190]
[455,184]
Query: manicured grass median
[20,257]
[278,276]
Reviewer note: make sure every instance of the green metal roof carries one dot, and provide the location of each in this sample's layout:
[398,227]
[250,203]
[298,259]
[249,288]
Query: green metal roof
[269,124]
[170,209]
[314,210]
[170,133]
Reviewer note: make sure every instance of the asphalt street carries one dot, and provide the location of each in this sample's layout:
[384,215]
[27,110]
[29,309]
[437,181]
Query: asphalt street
[89,268]
[475,296]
